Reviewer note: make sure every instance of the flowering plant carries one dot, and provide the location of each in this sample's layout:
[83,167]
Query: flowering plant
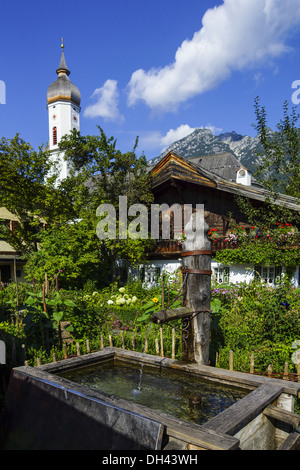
[213,234]
[272,245]
[285,233]
[120,299]
[281,234]
[180,237]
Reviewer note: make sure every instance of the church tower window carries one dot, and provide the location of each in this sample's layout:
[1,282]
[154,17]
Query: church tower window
[54,135]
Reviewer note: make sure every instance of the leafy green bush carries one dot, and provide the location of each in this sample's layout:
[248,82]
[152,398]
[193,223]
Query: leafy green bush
[258,319]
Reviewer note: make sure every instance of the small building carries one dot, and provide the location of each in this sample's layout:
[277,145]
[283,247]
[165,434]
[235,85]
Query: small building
[11,264]
[214,181]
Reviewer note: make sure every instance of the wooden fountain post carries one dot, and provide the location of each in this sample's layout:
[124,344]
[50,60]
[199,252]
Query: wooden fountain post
[196,260]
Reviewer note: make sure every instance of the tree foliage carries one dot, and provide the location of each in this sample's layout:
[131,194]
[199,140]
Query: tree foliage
[27,190]
[278,168]
[107,171]
[278,172]
[279,165]
[57,220]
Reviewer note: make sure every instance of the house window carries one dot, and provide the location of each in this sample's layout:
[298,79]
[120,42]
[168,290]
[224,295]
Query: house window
[54,135]
[221,274]
[269,274]
[151,274]
[5,273]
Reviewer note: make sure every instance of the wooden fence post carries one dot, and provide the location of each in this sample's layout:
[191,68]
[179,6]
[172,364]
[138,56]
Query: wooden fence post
[286,371]
[161,342]
[230,360]
[270,370]
[173,343]
[163,291]
[156,346]
[23,354]
[252,364]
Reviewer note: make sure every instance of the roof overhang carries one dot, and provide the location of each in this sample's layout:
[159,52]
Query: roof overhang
[173,167]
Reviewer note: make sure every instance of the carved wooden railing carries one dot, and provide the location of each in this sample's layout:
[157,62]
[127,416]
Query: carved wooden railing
[167,247]
[173,247]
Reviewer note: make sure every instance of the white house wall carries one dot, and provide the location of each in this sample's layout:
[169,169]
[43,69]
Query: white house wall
[238,273]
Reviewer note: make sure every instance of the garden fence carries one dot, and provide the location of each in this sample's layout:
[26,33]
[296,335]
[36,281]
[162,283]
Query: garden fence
[18,357]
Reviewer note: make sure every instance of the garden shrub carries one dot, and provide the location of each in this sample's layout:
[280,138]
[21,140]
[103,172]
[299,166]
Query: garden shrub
[258,319]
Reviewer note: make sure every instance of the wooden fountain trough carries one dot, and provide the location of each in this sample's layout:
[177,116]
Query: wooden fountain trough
[43,410]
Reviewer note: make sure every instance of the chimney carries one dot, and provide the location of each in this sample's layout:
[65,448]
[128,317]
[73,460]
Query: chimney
[243,176]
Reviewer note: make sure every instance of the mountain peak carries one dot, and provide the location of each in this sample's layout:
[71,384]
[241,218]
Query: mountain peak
[230,136]
[202,142]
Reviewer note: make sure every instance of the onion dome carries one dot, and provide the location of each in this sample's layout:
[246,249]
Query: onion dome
[63,89]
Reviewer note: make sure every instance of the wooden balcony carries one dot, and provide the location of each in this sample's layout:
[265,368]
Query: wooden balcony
[173,248]
[221,243]
[292,243]
[166,249]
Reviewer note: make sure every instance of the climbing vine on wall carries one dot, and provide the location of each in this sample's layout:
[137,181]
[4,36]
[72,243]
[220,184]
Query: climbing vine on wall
[278,245]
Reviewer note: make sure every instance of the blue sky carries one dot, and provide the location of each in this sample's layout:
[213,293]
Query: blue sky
[155,69]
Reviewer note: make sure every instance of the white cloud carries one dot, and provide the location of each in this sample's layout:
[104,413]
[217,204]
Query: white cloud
[176,134]
[235,35]
[106,105]
[157,140]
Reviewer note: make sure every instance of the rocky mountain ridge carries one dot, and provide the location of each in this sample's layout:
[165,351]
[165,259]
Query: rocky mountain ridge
[203,142]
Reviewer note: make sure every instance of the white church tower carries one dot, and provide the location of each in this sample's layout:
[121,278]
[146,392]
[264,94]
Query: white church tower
[63,104]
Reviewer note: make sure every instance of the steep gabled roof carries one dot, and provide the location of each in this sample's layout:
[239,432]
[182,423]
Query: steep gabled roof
[172,166]
[176,167]
[224,165]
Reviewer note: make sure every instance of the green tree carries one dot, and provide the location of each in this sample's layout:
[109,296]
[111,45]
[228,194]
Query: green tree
[99,174]
[27,190]
[278,172]
[108,173]
[70,251]
[278,168]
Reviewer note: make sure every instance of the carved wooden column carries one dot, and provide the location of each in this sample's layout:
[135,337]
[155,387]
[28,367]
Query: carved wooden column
[196,259]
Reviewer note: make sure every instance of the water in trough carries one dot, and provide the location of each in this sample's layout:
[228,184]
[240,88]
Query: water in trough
[182,396]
